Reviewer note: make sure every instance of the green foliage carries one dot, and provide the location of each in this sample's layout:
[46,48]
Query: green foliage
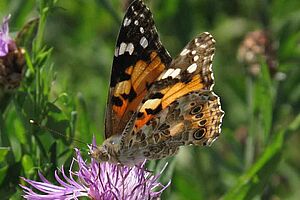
[252,182]
[69,50]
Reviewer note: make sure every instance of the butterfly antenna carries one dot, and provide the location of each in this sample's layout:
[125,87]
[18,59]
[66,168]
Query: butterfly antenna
[54,131]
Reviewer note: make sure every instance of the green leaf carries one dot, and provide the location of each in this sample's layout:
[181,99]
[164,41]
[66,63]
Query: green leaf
[15,147]
[28,165]
[20,132]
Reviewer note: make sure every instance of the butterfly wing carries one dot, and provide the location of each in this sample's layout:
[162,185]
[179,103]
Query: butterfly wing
[180,108]
[138,61]
[191,71]
[191,119]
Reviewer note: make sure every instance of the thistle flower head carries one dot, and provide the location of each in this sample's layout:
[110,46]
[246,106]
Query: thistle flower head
[100,181]
[256,45]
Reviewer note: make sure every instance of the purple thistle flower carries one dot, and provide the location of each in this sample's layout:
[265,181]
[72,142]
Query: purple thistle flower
[100,181]
[5,40]
[12,60]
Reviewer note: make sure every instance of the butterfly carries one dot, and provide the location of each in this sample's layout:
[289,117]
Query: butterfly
[155,103]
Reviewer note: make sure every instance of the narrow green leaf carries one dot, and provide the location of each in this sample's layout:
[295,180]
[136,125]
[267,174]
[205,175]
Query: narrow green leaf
[264,100]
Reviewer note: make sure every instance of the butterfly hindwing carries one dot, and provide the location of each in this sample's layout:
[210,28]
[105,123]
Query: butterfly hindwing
[191,119]
[190,71]
[139,59]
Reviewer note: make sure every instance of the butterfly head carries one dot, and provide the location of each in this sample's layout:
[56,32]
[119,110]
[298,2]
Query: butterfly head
[108,151]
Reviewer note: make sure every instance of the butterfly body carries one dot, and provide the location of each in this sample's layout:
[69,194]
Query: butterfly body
[157,104]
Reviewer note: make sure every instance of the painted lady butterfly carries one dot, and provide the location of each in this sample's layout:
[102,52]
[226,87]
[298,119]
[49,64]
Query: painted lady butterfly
[157,104]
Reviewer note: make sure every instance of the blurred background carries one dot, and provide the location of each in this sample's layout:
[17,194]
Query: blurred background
[257,76]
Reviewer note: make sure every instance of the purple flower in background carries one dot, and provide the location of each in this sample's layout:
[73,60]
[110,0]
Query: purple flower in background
[102,181]
[5,40]
[12,60]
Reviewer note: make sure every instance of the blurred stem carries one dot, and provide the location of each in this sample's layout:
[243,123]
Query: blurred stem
[249,149]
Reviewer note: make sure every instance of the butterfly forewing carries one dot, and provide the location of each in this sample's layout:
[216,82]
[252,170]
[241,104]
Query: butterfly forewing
[139,59]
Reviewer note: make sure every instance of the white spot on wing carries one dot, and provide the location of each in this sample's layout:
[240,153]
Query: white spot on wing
[122,48]
[175,73]
[194,52]
[151,103]
[142,30]
[126,21]
[144,42]
[196,58]
[136,22]
[192,68]
[167,73]
[184,52]
[130,48]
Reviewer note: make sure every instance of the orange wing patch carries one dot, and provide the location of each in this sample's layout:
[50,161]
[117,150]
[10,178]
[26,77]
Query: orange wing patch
[145,74]
[128,94]
[122,90]
[181,89]
[176,129]
[168,96]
